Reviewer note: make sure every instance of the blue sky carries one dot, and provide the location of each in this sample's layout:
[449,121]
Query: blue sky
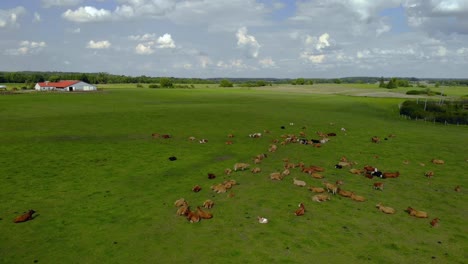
[237,38]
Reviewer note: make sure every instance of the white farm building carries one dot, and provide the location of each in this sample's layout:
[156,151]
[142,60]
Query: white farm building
[65,86]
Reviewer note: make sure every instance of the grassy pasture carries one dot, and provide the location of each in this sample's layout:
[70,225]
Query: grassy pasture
[104,189]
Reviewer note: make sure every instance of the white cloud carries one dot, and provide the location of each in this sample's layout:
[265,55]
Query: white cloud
[104,44]
[148,8]
[124,11]
[51,3]
[165,42]
[143,49]
[144,37]
[462,51]
[443,16]
[441,51]
[312,57]
[37,17]
[26,47]
[363,54]
[382,28]
[267,63]
[204,61]
[247,42]
[87,14]
[149,42]
[128,9]
[320,42]
[9,17]
[236,64]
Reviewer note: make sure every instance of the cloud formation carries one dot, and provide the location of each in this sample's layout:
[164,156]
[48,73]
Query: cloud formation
[87,14]
[247,42]
[103,44]
[238,38]
[26,47]
[9,17]
[150,42]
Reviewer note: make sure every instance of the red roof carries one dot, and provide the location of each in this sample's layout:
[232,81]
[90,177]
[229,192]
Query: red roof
[60,84]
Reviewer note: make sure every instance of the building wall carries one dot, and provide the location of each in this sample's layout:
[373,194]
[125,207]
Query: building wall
[82,86]
[39,88]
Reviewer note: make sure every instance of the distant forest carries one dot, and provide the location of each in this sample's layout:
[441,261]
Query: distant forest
[32,77]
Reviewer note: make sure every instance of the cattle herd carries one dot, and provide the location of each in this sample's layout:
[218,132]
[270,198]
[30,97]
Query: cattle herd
[322,193]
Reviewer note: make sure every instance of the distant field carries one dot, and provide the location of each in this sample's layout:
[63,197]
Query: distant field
[104,189]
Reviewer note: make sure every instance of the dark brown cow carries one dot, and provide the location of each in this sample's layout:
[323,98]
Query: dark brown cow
[25,217]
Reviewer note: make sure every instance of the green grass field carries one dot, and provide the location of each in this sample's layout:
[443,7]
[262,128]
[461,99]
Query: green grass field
[104,189]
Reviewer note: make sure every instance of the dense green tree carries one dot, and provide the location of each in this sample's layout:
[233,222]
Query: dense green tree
[166,83]
[225,83]
[382,83]
[299,81]
[392,84]
[54,78]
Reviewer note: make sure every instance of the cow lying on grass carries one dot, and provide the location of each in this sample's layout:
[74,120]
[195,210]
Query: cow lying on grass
[378,186]
[299,182]
[391,174]
[429,174]
[241,166]
[438,161]
[357,198]
[320,198]
[179,202]
[301,210]
[204,214]
[276,176]
[385,209]
[256,170]
[192,216]
[317,189]
[416,213]
[435,222]
[344,193]
[25,217]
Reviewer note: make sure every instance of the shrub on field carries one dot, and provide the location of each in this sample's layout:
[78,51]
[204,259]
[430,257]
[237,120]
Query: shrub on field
[153,86]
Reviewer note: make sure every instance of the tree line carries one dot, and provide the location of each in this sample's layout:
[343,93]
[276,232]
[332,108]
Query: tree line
[32,77]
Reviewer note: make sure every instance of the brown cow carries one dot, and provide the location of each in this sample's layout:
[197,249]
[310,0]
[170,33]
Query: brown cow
[204,214]
[193,217]
[429,174]
[391,174]
[25,217]
[196,188]
[435,222]
[378,186]
[416,213]
[437,161]
[301,210]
